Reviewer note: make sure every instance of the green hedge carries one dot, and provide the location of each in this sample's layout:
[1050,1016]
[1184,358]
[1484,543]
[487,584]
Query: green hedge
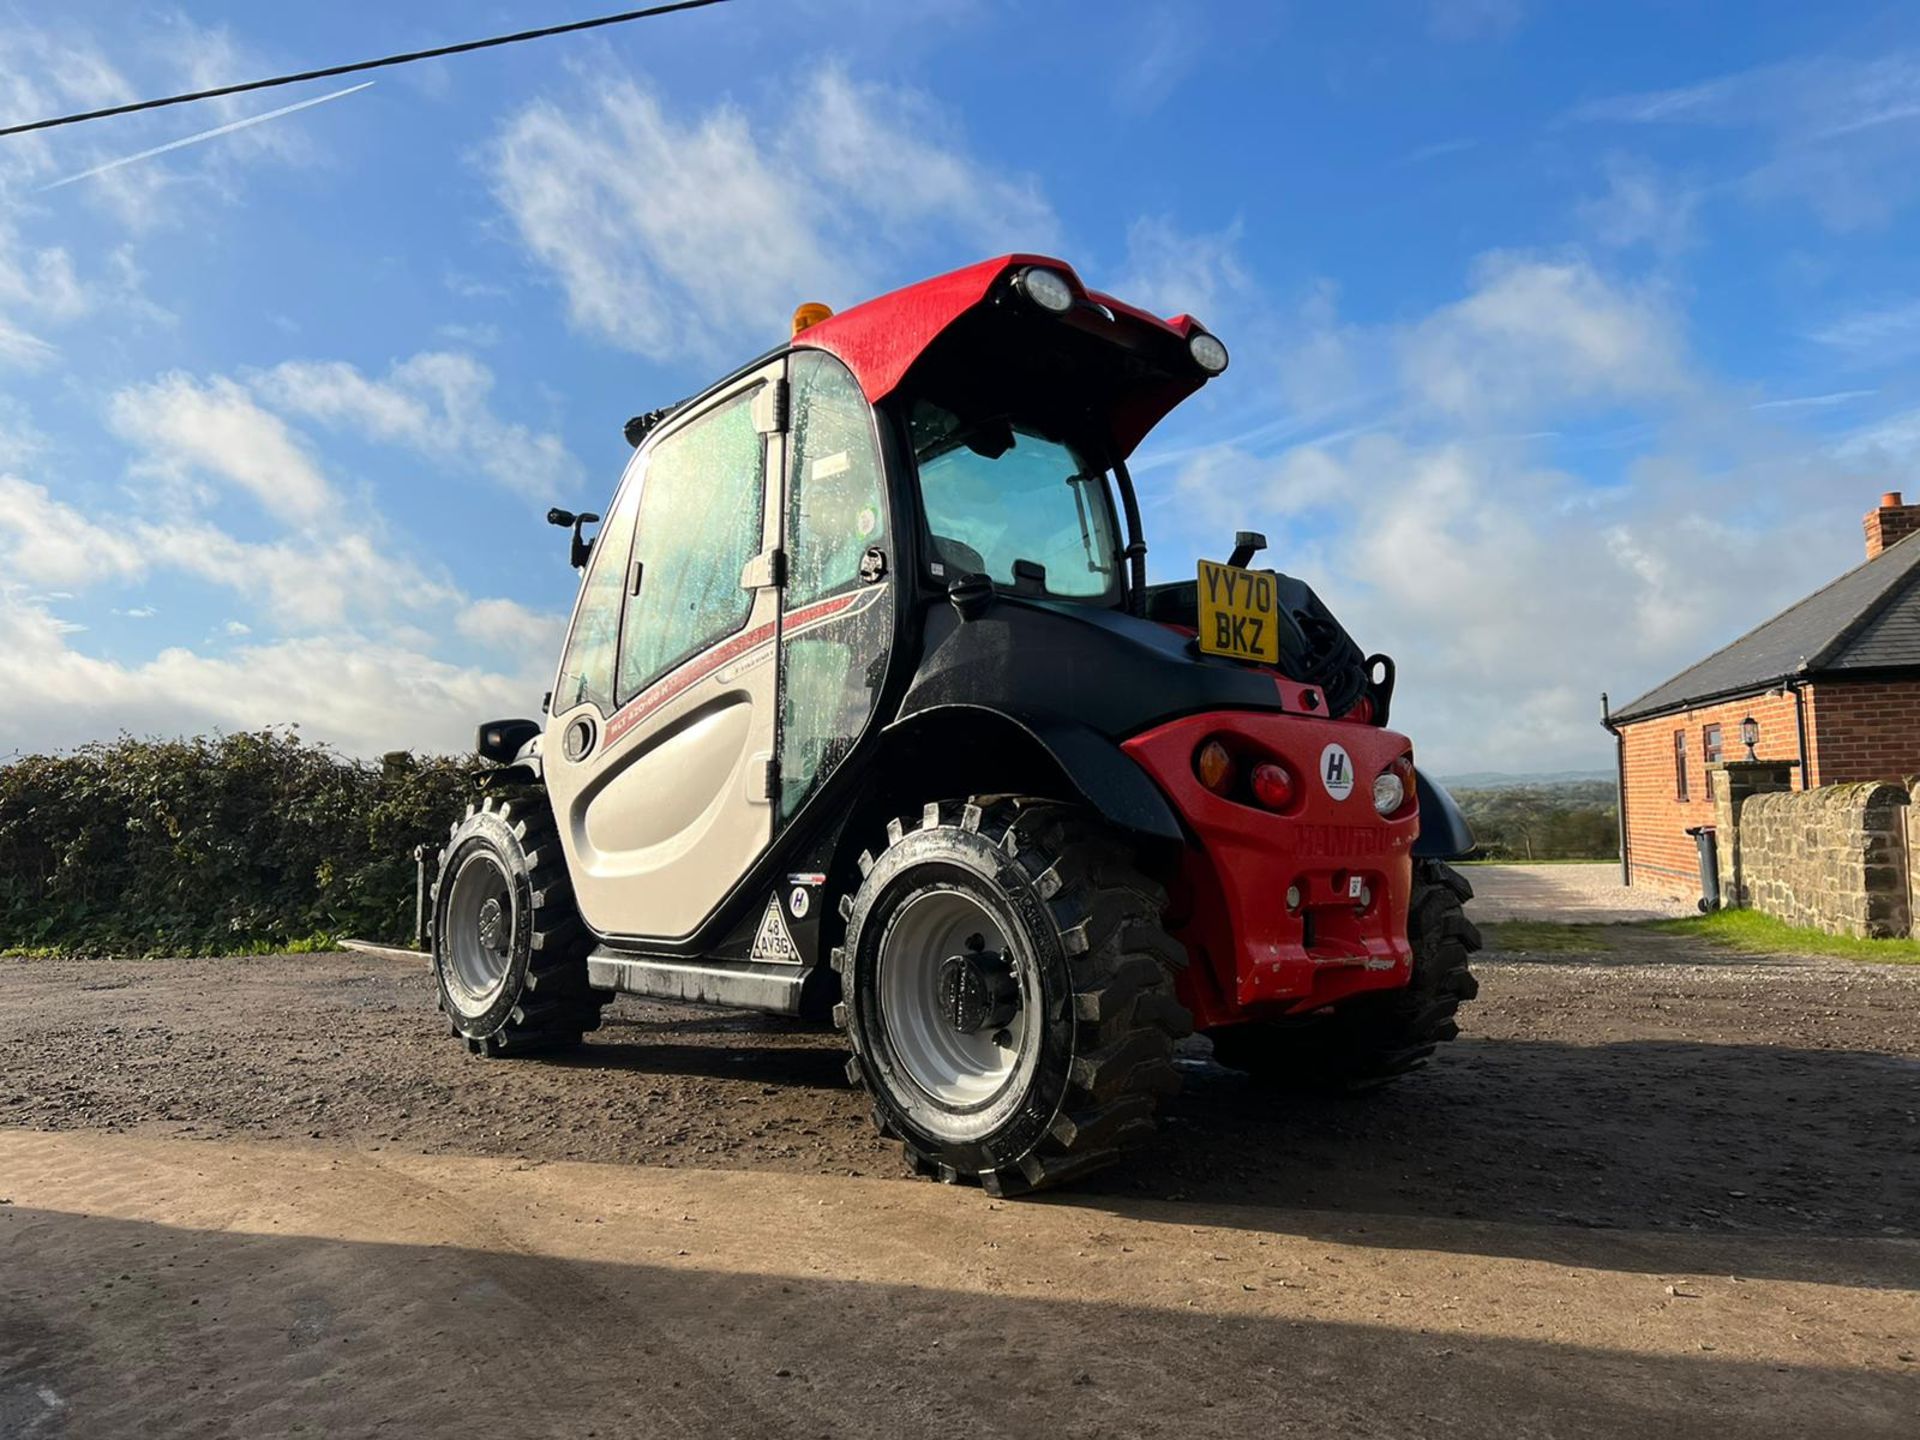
[255,842]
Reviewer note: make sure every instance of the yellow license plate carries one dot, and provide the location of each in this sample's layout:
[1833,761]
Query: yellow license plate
[1239,613]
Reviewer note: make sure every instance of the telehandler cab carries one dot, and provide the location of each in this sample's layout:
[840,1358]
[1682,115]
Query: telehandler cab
[868,715]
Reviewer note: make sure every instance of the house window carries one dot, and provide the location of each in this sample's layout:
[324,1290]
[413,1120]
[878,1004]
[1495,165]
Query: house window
[1680,765]
[1709,752]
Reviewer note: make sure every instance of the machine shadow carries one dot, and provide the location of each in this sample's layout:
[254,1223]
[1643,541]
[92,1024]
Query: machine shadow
[1559,1150]
[808,1066]
[111,1327]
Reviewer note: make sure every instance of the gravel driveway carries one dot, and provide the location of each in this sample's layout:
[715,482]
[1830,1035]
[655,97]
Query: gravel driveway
[1585,894]
[1648,1192]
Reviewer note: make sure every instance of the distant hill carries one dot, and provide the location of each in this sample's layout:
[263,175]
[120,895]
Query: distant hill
[1503,780]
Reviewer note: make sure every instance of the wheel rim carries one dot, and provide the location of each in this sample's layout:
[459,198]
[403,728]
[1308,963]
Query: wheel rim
[480,924]
[960,1069]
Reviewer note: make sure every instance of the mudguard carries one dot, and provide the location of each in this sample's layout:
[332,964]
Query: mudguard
[1444,831]
[1109,782]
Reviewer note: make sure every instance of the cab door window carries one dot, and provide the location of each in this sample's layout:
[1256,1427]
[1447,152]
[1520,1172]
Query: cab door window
[586,669]
[701,503]
[837,626]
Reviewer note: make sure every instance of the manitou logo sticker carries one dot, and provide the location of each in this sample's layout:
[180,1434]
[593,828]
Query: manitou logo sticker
[1336,771]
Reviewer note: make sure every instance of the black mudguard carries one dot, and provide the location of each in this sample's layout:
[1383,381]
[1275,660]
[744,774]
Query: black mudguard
[1106,779]
[1444,831]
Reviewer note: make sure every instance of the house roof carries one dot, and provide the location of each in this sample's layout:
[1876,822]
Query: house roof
[1868,619]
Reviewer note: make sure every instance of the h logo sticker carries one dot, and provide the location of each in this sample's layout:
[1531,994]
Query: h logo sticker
[1336,771]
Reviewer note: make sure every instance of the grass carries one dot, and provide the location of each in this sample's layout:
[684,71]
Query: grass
[1544,937]
[1752,933]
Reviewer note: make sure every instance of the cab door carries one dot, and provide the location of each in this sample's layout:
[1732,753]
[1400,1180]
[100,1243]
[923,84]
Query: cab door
[660,742]
[837,616]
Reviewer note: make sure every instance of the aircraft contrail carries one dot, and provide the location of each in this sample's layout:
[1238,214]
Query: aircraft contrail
[217,131]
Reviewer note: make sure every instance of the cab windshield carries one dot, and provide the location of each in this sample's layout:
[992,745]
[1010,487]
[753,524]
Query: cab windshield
[1005,500]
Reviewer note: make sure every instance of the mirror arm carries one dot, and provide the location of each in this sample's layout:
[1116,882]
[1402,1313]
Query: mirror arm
[582,547]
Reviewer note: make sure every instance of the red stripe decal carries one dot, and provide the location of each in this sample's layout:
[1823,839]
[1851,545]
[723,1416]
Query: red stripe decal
[677,682]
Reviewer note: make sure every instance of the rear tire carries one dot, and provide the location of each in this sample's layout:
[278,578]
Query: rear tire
[1374,1038]
[509,947]
[1008,992]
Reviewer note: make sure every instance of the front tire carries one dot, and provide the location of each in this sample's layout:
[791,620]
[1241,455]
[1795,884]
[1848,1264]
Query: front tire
[509,947]
[1008,993]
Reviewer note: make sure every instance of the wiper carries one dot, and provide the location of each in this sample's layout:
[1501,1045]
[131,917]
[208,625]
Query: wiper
[1074,482]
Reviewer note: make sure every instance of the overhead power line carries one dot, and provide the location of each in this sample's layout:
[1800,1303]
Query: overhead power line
[357,66]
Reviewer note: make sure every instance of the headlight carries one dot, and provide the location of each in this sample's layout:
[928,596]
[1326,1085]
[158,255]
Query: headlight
[1207,351]
[1046,288]
[1389,792]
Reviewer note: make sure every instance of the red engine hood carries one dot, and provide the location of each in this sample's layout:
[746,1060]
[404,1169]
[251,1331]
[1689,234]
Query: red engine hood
[879,340]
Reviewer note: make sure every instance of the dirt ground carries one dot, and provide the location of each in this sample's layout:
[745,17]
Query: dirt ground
[1648,1190]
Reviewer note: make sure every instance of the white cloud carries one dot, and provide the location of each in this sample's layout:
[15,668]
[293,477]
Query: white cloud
[1474,19]
[1438,149]
[435,403]
[508,625]
[22,350]
[43,75]
[672,234]
[1171,271]
[217,429]
[1640,206]
[1840,130]
[1884,334]
[1508,592]
[1537,330]
[1820,97]
[307,581]
[46,542]
[37,286]
[1443,528]
[1892,442]
[1164,48]
[351,690]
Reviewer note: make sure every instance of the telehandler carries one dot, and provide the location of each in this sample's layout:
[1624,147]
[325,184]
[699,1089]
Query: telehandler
[868,715]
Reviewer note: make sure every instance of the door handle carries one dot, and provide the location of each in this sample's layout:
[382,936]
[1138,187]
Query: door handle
[634,572]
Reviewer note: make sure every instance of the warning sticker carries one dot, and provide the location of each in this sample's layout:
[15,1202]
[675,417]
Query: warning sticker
[773,943]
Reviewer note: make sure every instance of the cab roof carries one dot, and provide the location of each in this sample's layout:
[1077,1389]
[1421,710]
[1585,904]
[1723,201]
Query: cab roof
[881,340]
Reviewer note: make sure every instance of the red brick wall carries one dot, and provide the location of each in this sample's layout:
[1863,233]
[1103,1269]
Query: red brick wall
[1864,730]
[1890,524]
[1660,854]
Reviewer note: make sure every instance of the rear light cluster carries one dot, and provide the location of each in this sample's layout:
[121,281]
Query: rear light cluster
[1270,785]
[1263,782]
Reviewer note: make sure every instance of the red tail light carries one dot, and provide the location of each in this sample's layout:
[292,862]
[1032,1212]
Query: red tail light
[1272,785]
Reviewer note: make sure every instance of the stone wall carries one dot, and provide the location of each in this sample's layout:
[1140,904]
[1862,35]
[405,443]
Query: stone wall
[1833,858]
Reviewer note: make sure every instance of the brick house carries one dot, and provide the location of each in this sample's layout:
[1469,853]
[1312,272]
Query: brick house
[1832,682]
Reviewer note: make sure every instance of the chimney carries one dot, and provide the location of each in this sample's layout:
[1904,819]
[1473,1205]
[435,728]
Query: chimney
[1890,524]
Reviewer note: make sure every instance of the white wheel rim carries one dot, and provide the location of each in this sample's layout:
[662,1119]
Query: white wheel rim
[959,1070]
[479,940]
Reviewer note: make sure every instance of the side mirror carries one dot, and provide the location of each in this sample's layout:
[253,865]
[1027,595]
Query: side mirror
[582,547]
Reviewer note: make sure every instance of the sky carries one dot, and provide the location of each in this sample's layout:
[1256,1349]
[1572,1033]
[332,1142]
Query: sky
[1569,342]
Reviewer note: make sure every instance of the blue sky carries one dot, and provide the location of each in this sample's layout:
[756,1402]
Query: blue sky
[1568,341]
